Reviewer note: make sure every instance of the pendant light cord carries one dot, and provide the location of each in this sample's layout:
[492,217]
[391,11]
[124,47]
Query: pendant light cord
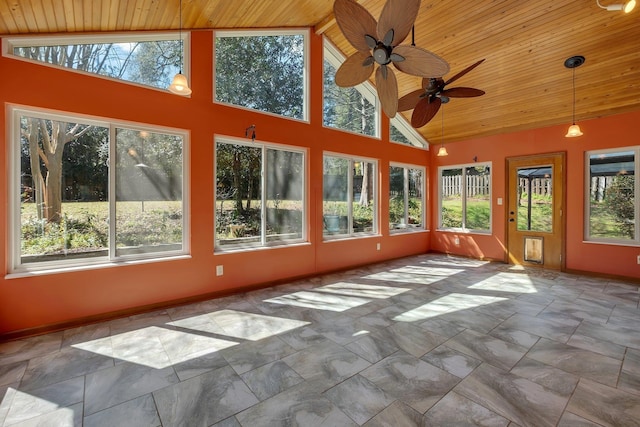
[180,36]
[574,96]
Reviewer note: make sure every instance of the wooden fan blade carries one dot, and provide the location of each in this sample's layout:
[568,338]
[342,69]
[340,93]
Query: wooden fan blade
[463,72]
[420,62]
[355,22]
[462,92]
[352,72]
[387,90]
[410,100]
[399,16]
[425,111]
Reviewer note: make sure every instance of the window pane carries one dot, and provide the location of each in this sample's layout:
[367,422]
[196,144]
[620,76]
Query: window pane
[397,136]
[612,195]
[478,203]
[148,62]
[346,108]
[238,195]
[451,198]
[64,210]
[284,198]
[148,192]
[335,195]
[416,200]
[397,211]
[264,73]
[363,196]
[535,199]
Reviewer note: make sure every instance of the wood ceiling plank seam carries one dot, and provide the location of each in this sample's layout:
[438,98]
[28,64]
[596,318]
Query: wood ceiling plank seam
[140,15]
[30,18]
[50,13]
[69,22]
[129,13]
[152,17]
[78,19]
[88,16]
[110,13]
[8,20]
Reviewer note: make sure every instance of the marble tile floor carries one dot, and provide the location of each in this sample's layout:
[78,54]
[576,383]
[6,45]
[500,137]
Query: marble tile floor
[427,340]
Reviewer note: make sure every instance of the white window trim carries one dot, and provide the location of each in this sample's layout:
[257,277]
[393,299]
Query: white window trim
[423,189]
[464,199]
[14,267]
[275,32]
[263,205]
[587,198]
[376,192]
[336,58]
[416,139]
[9,43]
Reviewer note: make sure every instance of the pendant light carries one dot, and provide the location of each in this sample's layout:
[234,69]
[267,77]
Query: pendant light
[626,7]
[442,151]
[180,85]
[574,62]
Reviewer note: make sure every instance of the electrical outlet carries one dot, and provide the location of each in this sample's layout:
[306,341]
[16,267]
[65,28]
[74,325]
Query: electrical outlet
[219,270]
[638,259]
[456,241]
[378,248]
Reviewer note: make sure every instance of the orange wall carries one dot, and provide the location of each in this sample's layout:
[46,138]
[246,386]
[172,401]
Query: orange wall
[609,132]
[41,300]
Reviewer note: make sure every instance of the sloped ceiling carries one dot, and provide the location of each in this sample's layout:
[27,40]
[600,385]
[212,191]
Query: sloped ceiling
[525,44]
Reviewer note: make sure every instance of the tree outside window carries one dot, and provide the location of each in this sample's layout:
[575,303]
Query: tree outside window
[349,196]
[73,173]
[259,195]
[406,198]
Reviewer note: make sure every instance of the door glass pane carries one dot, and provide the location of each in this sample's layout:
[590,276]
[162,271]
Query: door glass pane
[335,195]
[535,199]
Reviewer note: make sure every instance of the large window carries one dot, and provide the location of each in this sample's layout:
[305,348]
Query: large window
[465,197]
[150,59]
[263,70]
[260,198]
[353,109]
[93,190]
[611,211]
[349,196]
[406,198]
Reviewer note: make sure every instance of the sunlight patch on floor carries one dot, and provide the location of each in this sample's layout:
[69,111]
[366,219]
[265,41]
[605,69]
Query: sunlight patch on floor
[447,304]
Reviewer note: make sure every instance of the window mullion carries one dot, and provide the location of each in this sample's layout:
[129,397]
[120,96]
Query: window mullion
[111,192]
[263,190]
[463,184]
[405,172]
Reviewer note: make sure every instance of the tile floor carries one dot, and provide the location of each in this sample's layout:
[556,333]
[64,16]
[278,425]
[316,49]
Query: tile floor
[428,340]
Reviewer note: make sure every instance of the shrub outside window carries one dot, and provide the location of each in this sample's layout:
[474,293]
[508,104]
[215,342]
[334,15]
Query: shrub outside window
[406,198]
[94,190]
[465,197]
[263,70]
[150,59]
[260,199]
[611,211]
[353,109]
[349,196]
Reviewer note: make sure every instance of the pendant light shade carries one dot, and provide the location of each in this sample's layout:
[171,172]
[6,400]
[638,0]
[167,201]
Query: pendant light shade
[180,85]
[442,151]
[574,130]
[574,62]
[626,7]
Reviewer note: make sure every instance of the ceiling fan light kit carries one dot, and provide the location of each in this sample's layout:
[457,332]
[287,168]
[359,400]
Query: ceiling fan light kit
[378,42]
[626,7]
[573,62]
[180,85]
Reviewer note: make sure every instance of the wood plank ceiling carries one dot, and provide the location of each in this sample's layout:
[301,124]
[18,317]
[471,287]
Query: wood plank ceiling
[525,44]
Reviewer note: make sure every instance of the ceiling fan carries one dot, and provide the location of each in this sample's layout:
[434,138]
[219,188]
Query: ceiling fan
[426,101]
[378,42]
